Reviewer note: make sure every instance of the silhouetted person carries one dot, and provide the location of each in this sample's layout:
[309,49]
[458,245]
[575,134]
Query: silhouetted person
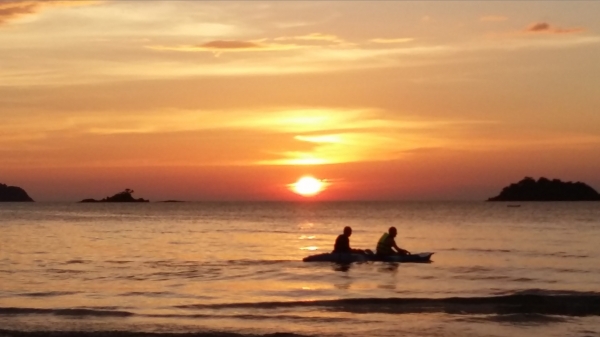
[387,244]
[342,243]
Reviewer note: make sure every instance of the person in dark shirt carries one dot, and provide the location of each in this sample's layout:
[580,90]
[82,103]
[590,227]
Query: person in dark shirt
[342,243]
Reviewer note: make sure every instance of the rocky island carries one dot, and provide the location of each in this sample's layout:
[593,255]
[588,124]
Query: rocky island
[124,196]
[545,189]
[13,194]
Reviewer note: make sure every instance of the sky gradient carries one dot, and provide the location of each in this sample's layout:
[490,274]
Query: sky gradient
[197,100]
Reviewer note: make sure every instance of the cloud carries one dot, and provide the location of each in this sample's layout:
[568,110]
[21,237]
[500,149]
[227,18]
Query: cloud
[313,37]
[223,44]
[218,46]
[228,45]
[544,27]
[10,10]
[493,18]
[398,40]
[538,27]
[14,9]
[319,37]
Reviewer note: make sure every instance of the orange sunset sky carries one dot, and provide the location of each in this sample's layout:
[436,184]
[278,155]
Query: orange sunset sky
[200,100]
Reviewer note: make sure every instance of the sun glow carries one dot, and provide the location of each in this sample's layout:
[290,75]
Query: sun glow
[308,186]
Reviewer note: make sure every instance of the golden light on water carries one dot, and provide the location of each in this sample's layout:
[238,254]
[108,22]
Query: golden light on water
[308,186]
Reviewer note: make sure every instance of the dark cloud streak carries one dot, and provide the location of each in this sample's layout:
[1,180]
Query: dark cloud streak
[221,44]
[544,27]
[11,9]
[538,27]
[14,9]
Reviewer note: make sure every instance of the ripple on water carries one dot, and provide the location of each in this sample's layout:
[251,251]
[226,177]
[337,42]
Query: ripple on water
[49,294]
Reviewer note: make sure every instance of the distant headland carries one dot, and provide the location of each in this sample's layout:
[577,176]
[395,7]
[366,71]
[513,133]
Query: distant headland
[547,190]
[124,196]
[13,194]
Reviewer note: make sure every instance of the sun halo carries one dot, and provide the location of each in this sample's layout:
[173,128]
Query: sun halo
[308,186]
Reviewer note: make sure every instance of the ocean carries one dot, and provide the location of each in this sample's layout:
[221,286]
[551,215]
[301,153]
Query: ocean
[235,269]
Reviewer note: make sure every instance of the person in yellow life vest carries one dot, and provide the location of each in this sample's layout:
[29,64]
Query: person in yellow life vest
[387,244]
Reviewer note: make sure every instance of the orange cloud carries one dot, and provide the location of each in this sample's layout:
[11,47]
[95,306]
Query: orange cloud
[544,27]
[229,45]
[319,37]
[218,46]
[10,9]
[398,40]
[222,44]
[313,37]
[14,9]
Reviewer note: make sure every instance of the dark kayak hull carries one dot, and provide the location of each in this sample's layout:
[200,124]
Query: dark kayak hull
[349,258]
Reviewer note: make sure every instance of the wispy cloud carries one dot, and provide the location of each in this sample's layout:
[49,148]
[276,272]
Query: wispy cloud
[544,27]
[14,9]
[397,40]
[300,42]
[222,44]
[229,45]
[312,135]
[320,138]
[313,37]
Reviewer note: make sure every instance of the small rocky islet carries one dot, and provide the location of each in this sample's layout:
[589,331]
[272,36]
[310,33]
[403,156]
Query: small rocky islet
[545,189]
[125,196]
[13,194]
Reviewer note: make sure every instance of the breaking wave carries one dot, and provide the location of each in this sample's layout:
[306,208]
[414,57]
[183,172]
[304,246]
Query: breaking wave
[526,302]
[530,302]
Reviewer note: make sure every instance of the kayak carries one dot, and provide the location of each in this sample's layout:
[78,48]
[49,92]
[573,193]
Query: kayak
[349,258]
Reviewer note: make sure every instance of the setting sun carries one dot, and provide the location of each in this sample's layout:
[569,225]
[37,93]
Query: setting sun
[308,186]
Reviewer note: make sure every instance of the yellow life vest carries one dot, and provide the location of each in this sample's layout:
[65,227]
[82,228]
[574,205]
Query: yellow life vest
[382,245]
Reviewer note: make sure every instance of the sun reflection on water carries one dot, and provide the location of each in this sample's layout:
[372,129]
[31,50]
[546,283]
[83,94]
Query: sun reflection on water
[306,225]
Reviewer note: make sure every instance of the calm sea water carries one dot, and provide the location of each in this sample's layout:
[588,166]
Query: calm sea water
[229,269]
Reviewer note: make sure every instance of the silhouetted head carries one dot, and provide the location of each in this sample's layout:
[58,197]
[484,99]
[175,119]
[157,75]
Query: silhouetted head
[393,232]
[347,231]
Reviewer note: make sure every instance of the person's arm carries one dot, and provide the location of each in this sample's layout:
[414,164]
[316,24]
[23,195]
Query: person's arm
[346,244]
[355,251]
[350,250]
[398,249]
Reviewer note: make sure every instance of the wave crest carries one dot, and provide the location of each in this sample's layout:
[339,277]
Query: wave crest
[580,304]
